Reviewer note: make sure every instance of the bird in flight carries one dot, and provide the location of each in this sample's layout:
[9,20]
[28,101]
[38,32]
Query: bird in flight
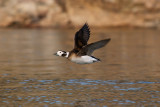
[82,52]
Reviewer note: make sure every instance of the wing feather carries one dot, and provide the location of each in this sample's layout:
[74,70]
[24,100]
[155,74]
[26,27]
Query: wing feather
[82,37]
[89,49]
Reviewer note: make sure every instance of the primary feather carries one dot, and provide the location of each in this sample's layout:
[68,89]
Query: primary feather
[82,37]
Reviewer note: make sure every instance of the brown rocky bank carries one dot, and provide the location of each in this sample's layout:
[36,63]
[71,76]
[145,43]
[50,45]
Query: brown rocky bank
[64,13]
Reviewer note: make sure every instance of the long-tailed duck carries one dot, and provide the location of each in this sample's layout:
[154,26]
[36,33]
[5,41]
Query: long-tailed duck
[82,51]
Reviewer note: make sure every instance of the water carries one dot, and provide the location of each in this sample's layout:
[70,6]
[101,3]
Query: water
[31,76]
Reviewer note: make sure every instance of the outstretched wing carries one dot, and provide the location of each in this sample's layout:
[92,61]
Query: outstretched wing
[82,37]
[88,49]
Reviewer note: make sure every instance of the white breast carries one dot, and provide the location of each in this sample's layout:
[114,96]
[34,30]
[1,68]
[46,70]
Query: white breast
[84,59]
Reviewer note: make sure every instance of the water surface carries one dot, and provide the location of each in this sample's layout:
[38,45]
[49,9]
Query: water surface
[128,75]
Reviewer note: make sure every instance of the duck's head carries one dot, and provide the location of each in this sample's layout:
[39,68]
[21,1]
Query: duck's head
[61,53]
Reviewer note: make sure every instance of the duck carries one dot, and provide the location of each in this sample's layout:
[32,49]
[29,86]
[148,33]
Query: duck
[82,51]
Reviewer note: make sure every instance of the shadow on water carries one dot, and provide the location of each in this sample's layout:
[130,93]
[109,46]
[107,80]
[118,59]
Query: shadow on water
[31,76]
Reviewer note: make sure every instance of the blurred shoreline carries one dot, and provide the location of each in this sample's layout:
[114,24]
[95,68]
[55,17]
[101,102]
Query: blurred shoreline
[74,13]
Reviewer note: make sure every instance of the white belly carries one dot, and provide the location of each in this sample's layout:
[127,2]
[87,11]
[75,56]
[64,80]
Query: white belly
[84,60]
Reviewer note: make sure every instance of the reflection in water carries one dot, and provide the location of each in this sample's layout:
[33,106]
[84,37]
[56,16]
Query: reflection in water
[127,76]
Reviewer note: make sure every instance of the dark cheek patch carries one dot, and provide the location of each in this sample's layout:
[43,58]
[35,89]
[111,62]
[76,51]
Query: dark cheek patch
[64,54]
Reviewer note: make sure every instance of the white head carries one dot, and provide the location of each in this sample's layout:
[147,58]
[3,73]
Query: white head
[62,53]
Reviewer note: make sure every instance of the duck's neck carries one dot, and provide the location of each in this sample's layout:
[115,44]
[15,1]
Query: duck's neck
[67,54]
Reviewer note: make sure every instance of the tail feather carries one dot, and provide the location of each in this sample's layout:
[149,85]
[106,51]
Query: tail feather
[97,60]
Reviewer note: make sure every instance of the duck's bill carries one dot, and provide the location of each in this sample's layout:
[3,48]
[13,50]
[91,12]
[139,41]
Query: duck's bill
[55,54]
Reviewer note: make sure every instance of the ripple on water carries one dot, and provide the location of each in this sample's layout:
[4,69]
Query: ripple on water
[83,82]
[78,84]
[130,89]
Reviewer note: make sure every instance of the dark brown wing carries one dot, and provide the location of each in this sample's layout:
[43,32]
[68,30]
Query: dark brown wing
[88,49]
[82,37]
